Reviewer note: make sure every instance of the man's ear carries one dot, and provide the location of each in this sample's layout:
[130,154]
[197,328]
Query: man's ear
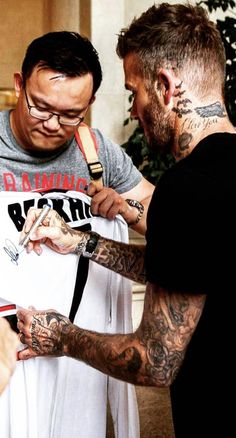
[18,83]
[166,82]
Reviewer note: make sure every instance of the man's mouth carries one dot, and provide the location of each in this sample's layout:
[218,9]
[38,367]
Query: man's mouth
[46,134]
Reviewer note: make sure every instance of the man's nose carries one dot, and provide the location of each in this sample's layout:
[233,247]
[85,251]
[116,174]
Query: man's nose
[52,123]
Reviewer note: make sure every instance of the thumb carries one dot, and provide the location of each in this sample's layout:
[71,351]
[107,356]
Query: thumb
[92,189]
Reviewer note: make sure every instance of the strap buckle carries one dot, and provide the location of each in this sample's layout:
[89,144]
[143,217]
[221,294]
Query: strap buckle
[95,170]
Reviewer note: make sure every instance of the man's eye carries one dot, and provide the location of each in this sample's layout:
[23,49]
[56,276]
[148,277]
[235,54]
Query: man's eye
[70,117]
[41,110]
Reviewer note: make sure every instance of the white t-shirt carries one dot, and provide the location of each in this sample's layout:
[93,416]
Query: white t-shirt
[62,397]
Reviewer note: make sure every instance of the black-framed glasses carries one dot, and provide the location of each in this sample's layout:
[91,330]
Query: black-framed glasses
[42,114]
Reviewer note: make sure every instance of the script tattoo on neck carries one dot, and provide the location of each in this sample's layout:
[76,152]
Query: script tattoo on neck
[208,114]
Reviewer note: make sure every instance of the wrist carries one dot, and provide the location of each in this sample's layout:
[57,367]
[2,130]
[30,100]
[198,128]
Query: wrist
[87,244]
[67,340]
[139,209]
[71,342]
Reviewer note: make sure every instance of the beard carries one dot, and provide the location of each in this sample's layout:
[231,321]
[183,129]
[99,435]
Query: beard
[158,130]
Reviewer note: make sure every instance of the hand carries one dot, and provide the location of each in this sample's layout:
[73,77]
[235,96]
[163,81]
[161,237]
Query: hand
[43,332]
[54,232]
[8,346]
[107,203]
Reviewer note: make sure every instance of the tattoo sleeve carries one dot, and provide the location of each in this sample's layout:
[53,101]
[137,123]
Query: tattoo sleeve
[124,259]
[150,356]
[154,353]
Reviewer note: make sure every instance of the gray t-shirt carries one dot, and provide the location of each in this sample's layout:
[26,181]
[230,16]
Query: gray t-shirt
[66,169]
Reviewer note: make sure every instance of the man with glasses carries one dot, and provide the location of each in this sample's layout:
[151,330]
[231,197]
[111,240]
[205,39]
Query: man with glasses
[42,114]
[60,75]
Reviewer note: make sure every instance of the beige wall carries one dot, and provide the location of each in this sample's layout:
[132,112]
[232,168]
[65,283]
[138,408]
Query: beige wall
[20,22]
[24,20]
[108,17]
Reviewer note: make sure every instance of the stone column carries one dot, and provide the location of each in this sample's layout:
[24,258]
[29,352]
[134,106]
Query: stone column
[61,15]
[109,110]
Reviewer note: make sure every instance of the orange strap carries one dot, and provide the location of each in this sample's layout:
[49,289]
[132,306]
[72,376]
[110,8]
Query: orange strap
[88,145]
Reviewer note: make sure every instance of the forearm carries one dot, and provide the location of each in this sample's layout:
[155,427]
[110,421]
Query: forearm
[124,259]
[132,357]
[127,357]
[119,356]
[150,356]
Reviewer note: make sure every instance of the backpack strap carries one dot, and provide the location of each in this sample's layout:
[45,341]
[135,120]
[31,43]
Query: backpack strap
[88,145]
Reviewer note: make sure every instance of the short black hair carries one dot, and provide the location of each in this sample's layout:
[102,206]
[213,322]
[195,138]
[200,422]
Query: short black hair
[178,36]
[66,52]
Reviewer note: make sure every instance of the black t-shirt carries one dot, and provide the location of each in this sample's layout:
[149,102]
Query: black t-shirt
[191,241]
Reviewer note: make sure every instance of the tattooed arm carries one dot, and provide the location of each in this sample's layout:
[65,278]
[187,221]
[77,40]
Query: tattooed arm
[150,356]
[124,259]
